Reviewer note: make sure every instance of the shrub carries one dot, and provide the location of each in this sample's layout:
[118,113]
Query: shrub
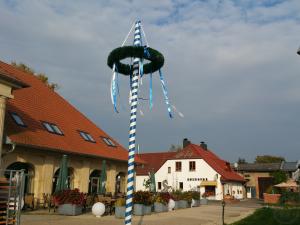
[290,197]
[177,195]
[69,197]
[142,197]
[162,197]
[120,202]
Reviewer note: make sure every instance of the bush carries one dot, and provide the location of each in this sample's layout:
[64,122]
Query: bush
[120,202]
[142,197]
[290,197]
[177,195]
[273,190]
[69,197]
[162,197]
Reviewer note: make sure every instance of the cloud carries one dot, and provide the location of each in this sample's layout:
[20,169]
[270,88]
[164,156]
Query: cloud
[231,67]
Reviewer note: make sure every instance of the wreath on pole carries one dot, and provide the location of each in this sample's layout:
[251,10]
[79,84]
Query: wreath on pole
[143,52]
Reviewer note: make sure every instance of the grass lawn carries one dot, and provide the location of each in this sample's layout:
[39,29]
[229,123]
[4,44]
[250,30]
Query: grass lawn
[272,216]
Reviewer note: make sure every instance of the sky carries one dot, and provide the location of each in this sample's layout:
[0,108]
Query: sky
[230,65]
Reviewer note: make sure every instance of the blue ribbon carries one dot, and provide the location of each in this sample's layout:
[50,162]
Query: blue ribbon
[151,93]
[115,89]
[164,87]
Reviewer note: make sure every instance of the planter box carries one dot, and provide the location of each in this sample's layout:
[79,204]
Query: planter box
[138,209]
[176,205]
[271,198]
[203,201]
[159,207]
[120,212]
[183,204]
[69,209]
[147,209]
[195,203]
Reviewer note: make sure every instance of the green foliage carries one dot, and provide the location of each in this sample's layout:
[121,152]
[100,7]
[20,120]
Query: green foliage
[142,197]
[272,216]
[290,198]
[279,177]
[41,76]
[272,190]
[120,202]
[175,148]
[162,197]
[268,159]
[155,57]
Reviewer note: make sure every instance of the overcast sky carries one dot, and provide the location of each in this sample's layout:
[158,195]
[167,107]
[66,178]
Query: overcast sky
[231,67]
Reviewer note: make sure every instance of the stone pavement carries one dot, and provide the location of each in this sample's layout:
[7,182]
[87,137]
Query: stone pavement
[204,215]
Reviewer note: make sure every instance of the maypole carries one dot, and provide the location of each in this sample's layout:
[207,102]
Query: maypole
[136,71]
[132,127]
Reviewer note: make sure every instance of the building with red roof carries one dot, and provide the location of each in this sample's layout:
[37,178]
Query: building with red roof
[194,167]
[40,126]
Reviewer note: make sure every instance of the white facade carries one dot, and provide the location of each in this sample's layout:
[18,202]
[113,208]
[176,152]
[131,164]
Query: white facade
[188,180]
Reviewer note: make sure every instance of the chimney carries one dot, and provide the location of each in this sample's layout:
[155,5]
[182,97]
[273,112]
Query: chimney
[185,142]
[203,145]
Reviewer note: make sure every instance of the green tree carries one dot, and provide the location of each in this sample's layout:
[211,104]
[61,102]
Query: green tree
[241,161]
[41,76]
[269,159]
[279,177]
[175,148]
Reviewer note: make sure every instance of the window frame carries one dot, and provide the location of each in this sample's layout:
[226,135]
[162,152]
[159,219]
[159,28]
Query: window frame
[15,116]
[86,136]
[181,184]
[159,186]
[192,166]
[179,163]
[108,141]
[169,170]
[52,128]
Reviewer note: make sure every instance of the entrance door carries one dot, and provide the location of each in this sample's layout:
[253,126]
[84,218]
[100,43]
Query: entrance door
[263,184]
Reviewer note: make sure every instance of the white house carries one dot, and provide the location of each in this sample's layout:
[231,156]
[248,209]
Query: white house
[193,168]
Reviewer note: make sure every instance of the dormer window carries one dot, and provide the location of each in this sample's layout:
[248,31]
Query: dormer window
[18,120]
[52,128]
[108,141]
[86,136]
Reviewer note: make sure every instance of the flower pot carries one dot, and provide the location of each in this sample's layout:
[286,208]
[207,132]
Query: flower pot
[203,201]
[183,204]
[138,209]
[69,209]
[147,209]
[159,207]
[120,212]
[195,203]
[176,205]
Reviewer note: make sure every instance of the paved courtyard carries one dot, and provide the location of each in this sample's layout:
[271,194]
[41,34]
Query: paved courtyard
[203,215]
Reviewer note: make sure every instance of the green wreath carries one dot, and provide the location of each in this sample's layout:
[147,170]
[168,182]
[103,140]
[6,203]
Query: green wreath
[155,57]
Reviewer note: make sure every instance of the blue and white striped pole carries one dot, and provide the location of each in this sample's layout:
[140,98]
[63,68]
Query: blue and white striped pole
[132,129]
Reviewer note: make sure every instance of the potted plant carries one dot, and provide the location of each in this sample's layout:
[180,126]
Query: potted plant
[161,201]
[186,198]
[120,208]
[177,196]
[195,199]
[70,202]
[203,200]
[142,201]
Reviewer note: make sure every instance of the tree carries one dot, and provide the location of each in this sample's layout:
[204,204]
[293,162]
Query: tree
[241,161]
[41,76]
[175,148]
[279,177]
[269,159]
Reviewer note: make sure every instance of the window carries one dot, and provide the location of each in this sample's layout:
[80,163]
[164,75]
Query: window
[181,185]
[52,128]
[159,185]
[108,142]
[178,166]
[17,119]
[169,169]
[192,165]
[86,136]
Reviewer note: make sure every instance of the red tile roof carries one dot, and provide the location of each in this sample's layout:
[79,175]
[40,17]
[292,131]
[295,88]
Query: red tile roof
[192,151]
[38,103]
[154,161]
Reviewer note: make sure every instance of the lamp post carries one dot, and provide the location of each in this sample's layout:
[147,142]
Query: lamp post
[223,212]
